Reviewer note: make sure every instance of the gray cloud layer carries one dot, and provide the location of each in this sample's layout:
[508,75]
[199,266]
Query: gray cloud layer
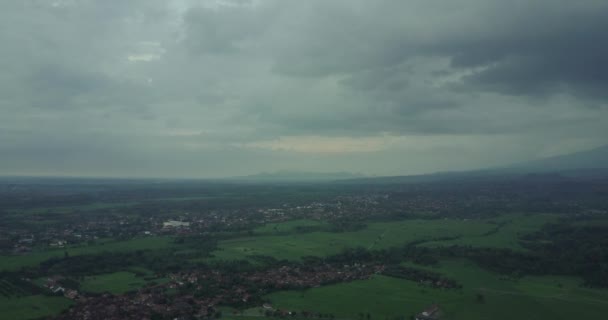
[213,88]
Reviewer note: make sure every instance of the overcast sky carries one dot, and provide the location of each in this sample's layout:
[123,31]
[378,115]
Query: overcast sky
[179,88]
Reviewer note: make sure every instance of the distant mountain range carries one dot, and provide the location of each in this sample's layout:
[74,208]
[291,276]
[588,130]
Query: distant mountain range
[586,163]
[294,176]
[585,160]
[590,163]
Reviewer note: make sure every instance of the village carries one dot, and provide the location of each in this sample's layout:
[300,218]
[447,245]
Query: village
[89,229]
[201,293]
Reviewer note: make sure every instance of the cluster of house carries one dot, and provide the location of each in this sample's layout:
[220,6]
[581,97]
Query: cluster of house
[21,241]
[269,311]
[227,288]
[88,228]
[289,277]
[431,313]
[53,284]
[111,307]
[175,224]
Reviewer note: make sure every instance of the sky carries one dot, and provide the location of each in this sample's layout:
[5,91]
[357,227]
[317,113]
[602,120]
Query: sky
[210,88]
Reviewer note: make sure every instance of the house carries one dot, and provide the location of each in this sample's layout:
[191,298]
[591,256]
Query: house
[431,313]
[57,289]
[175,224]
[58,243]
[27,240]
[71,294]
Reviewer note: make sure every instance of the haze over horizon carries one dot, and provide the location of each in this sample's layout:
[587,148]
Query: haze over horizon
[206,89]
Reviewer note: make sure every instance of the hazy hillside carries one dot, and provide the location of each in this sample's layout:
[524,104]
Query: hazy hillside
[592,159]
[588,163]
[299,176]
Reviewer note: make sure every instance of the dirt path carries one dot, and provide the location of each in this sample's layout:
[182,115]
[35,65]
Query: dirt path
[380,237]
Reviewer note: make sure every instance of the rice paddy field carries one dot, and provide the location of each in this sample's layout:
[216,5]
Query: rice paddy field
[383,297]
[116,283]
[14,262]
[390,298]
[374,236]
[289,226]
[508,229]
[32,307]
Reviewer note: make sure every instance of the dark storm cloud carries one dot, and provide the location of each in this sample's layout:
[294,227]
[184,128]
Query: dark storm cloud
[546,50]
[519,47]
[400,64]
[230,87]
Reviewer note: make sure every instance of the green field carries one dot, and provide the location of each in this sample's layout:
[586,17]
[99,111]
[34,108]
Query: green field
[31,307]
[511,227]
[374,236]
[14,262]
[386,297]
[116,283]
[289,226]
